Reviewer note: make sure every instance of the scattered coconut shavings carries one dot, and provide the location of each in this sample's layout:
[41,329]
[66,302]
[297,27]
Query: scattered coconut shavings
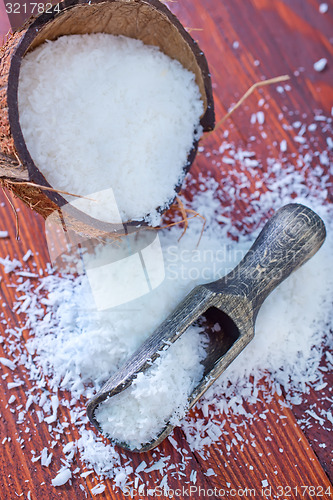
[59,314]
[45,458]
[210,472]
[27,256]
[7,362]
[10,265]
[320,65]
[260,117]
[12,385]
[283,146]
[27,274]
[62,477]
[98,489]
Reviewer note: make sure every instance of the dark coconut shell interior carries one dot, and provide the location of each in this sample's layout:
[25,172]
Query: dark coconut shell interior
[149,21]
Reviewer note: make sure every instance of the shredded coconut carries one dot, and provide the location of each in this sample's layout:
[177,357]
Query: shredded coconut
[62,477]
[323,8]
[157,397]
[320,65]
[98,489]
[73,348]
[7,362]
[78,96]
[283,146]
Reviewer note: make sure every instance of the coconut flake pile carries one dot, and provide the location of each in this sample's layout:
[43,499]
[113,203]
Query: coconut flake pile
[73,348]
[157,397]
[109,116]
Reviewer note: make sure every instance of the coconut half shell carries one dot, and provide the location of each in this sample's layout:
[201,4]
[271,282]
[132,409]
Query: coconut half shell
[147,20]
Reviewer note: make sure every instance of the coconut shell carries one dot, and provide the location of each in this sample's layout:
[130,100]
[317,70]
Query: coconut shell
[147,20]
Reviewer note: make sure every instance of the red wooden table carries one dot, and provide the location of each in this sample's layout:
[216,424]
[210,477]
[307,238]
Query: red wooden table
[244,42]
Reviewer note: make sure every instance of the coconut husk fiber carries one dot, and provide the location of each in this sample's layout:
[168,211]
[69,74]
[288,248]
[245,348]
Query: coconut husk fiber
[149,21]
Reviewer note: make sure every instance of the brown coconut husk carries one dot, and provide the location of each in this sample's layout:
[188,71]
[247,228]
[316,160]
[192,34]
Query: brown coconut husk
[147,20]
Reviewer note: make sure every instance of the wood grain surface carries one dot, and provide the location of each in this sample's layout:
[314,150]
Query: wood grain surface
[274,37]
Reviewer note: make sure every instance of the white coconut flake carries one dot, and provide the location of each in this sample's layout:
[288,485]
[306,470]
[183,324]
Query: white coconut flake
[10,265]
[87,473]
[62,477]
[94,84]
[12,385]
[283,146]
[46,457]
[3,234]
[74,348]
[210,472]
[260,117]
[8,363]
[320,65]
[98,489]
[323,8]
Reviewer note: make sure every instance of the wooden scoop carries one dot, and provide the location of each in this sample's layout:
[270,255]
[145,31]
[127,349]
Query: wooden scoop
[287,241]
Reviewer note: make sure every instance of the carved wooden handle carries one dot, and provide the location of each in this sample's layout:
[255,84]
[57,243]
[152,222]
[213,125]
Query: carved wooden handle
[287,241]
